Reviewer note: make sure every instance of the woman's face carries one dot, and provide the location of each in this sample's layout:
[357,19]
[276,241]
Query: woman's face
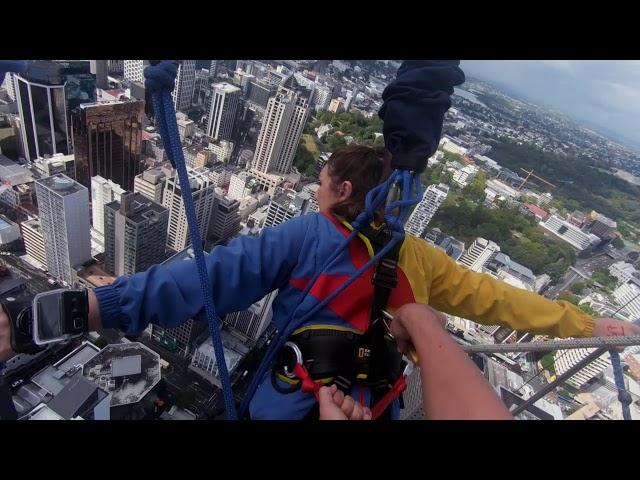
[328,194]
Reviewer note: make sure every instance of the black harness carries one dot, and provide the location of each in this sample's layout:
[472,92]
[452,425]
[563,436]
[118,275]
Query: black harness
[343,356]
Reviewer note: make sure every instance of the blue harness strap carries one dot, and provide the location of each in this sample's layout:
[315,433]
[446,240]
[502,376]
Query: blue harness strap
[160,81]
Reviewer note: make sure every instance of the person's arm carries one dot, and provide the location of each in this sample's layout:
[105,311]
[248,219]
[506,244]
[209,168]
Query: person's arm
[453,388]
[168,295]
[479,297]
[476,296]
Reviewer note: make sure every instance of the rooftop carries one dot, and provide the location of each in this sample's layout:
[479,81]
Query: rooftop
[140,210]
[113,358]
[536,210]
[226,87]
[75,397]
[126,366]
[97,276]
[13,173]
[61,184]
[6,223]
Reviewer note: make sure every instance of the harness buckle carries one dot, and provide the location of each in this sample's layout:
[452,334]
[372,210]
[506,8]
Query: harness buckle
[297,357]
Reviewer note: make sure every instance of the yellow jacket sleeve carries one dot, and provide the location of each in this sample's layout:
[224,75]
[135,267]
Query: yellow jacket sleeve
[479,297]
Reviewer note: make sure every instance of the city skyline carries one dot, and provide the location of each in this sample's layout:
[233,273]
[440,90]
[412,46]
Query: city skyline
[515,197]
[601,94]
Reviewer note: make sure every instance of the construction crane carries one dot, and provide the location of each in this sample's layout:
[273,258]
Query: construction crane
[531,174]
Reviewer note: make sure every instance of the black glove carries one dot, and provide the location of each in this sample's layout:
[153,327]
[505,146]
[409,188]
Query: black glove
[19,312]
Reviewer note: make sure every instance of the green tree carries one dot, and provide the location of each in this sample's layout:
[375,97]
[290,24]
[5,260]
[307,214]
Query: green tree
[304,160]
[603,278]
[569,297]
[475,189]
[452,157]
[548,363]
[588,310]
[578,288]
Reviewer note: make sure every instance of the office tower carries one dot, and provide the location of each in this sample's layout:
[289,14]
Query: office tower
[135,234]
[107,139]
[150,183]
[424,211]
[47,94]
[33,238]
[103,191]
[134,70]
[184,84]
[99,68]
[223,111]
[478,254]
[64,216]
[225,221]
[282,128]
[253,321]
[203,194]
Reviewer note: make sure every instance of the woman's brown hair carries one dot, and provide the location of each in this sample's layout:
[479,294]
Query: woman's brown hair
[365,167]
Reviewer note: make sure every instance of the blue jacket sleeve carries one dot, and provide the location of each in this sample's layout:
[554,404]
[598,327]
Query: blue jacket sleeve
[241,273]
[414,107]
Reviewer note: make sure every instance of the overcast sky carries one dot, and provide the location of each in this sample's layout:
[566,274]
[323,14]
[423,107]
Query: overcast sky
[605,93]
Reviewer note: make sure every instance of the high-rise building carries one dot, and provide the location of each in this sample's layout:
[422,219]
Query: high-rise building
[253,321]
[627,295]
[213,69]
[115,67]
[103,191]
[186,126]
[623,271]
[150,183]
[225,221]
[351,96]
[422,214]
[602,226]
[203,194]
[107,139]
[186,334]
[9,86]
[565,359]
[285,206]
[412,398]
[259,92]
[185,82]
[282,128]
[221,150]
[135,234]
[322,98]
[336,105]
[34,240]
[64,216]
[46,95]
[570,233]
[201,87]
[478,254]
[223,110]
[241,184]
[57,163]
[312,190]
[134,70]
[99,68]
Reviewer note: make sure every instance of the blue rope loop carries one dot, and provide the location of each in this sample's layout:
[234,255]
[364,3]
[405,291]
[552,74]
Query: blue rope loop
[374,200]
[160,80]
[623,395]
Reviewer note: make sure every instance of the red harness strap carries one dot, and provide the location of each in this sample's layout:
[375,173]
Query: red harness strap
[308,384]
[311,386]
[390,396]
